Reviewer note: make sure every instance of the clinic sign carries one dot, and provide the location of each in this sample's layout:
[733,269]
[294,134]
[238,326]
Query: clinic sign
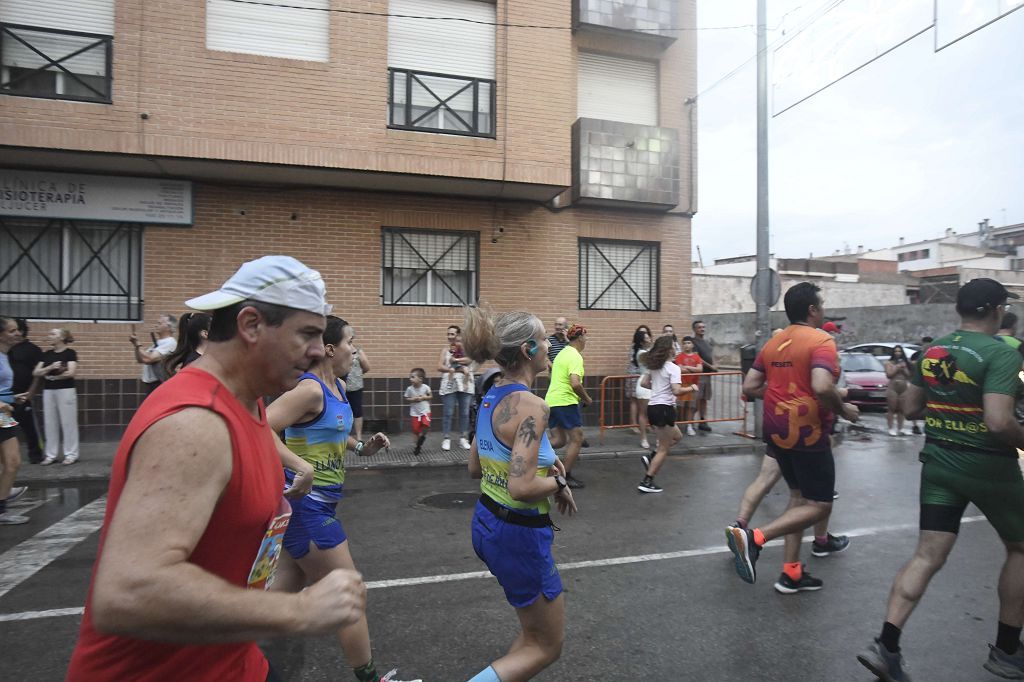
[33,194]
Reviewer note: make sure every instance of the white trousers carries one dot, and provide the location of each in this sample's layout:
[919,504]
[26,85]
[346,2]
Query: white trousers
[60,417]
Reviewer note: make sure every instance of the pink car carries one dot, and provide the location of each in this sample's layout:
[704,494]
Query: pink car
[865,379]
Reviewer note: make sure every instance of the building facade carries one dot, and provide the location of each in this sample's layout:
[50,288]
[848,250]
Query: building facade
[422,154]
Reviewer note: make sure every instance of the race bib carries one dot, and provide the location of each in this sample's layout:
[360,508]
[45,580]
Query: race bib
[261,577]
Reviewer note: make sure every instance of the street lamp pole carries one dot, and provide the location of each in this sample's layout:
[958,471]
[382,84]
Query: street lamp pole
[763,291]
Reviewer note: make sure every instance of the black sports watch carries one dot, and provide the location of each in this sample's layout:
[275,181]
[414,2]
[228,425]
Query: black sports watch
[562,484]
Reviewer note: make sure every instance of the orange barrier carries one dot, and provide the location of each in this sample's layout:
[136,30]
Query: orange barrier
[725,405]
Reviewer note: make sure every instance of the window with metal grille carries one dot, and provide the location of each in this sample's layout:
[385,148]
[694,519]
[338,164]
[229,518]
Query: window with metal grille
[619,275]
[429,267]
[55,64]
[70,269]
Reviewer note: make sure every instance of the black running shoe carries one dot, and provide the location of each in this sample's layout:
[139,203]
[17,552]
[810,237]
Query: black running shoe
[807,583]
[649,486]
[1007,666]
[585,443]
[888,666]
[834,545]
[703,427]
[647,459]
[916,430]
[745,551]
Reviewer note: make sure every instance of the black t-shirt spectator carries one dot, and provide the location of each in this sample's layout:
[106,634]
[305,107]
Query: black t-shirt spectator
[65,356]
[24,357]
[556,346]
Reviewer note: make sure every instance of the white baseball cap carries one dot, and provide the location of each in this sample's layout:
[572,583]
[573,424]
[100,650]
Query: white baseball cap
[280,280]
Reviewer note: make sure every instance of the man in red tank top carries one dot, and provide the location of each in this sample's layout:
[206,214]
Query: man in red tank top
[195,514]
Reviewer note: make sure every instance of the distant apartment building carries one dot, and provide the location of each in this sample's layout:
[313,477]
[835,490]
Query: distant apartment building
[423,155]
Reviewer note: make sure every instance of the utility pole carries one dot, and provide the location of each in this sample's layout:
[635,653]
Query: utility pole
[763,291]
[764,285]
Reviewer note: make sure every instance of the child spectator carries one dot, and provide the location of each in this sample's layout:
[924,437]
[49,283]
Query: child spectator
[689,364]
[418,396]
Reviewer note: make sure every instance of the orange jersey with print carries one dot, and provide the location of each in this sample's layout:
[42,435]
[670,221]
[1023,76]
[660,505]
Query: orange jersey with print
[793,418]
[689,360]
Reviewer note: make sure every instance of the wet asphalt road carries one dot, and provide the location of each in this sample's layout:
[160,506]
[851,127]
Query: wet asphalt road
[654,618]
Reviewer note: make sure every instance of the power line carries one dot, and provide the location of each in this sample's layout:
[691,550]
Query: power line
[812,18]
[501,24]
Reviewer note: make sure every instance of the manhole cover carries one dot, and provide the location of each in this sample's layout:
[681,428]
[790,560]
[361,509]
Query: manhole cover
[448,501]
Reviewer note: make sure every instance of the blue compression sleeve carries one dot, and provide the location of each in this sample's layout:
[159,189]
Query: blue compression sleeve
[486,675]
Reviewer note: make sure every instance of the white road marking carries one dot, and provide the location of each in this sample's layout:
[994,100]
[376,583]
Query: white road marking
[27,558]
[473,575]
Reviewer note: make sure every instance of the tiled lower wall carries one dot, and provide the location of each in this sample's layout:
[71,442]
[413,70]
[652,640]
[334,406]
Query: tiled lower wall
[105,406]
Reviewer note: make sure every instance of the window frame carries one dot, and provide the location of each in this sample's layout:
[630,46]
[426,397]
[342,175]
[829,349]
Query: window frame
[106,40]
[132,299]
[430,271]
[654,279]
[407,106]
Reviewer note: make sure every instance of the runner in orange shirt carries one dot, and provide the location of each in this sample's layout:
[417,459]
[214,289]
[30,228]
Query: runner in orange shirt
[795,374]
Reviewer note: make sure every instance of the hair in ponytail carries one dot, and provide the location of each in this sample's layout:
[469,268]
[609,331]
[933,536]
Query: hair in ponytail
[499,337]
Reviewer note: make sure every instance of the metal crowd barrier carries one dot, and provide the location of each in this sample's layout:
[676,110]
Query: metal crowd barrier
[726,404]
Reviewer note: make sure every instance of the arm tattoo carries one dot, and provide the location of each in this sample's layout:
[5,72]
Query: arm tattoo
[506,410]
[527,431]
[517,468]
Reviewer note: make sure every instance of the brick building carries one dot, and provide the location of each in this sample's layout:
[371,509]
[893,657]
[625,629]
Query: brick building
[422,154]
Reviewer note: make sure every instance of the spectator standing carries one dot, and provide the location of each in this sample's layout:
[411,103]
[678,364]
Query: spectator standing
[57,368]
[24,356]
[354,384]
[193,331]
[152,358]
[557,341]
[456,389]
[641,342]
[897,369]
[690,363]
[669,330]
[707,355]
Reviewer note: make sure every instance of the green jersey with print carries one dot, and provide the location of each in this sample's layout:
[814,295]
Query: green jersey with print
[956,372]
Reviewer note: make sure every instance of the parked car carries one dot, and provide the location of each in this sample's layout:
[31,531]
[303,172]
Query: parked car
[883,350]
[866,382]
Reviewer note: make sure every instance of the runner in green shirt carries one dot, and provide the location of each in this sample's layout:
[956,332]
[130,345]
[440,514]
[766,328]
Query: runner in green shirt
[965,385]
[564,396]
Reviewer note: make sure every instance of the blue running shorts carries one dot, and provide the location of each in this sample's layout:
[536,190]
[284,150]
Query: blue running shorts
[312,521]
[565,416]
[519,557]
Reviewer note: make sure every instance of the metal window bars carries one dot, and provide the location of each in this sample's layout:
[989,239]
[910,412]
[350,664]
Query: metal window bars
[619,275]
[441,103]
[55,64]
[429,267]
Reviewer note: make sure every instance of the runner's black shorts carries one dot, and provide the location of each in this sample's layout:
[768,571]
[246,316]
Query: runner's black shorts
[661,415]
[812,473]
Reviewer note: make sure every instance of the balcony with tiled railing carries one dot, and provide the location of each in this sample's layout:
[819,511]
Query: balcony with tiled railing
[655,19]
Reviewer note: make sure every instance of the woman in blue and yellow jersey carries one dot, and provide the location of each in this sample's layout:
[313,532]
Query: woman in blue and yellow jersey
[519,472]
[316,418]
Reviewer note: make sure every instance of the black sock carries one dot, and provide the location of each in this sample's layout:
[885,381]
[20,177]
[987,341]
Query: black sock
[419,441]
[367,673]
[1008,638]
[890,637]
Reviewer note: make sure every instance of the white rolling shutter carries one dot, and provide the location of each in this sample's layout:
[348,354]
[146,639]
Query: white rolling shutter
[89,16]
[617,89]
[457,48]
[299,31]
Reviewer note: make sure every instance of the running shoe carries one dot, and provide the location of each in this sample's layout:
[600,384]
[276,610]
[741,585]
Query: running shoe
[916,430]
[888,666]
[7,519]
[1007,666]
[464,443]
[893,432]
[704,427]
[906,432]
[807,583]
[585,443]
[390,677]
[16,493]
[446,444]
[745,551]
[834,545]
[649,486]
[690,431]
[573,482]
[645,444]
[647,459]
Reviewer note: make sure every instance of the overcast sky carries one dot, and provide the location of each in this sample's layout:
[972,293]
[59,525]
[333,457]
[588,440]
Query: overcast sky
[916,142]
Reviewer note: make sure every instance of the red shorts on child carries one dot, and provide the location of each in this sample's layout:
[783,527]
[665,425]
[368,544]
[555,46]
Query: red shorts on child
[421,424]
